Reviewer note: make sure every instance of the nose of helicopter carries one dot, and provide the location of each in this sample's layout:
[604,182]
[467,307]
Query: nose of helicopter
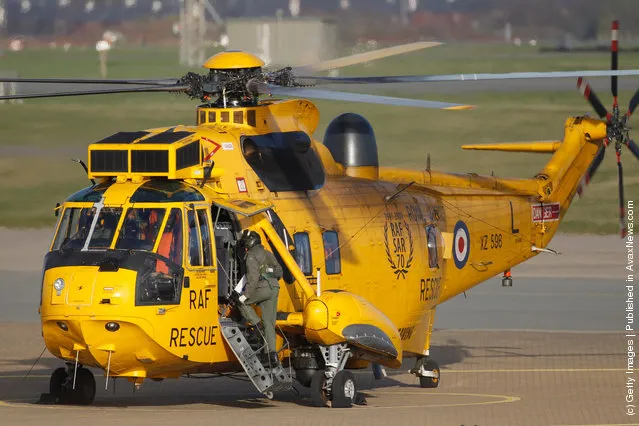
[87,286]
[118,345]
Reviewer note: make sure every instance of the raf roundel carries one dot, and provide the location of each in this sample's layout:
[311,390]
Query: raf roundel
[461,244]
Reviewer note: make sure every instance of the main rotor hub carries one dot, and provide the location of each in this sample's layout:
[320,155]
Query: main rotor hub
[233,60]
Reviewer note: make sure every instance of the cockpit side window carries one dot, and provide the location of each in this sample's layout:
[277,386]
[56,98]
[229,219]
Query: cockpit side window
[75,226]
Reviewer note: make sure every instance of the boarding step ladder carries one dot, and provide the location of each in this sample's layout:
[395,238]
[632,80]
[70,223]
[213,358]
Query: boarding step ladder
[266,380]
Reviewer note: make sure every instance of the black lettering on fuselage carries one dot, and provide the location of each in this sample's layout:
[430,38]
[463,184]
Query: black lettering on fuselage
[192,299]
[396,229]
[174,335]
[430,289]
[199,299]
[193,336]
[182,332]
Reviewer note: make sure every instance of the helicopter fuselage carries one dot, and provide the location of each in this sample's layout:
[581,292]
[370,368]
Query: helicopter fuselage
[383,251]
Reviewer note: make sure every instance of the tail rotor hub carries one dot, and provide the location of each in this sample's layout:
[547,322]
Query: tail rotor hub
[618,129]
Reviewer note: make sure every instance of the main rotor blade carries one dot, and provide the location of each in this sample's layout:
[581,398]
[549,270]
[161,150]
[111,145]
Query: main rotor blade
[363,57]
[591,97]
[165,81]
[464,77]
[352,97]
[632,146]
[174,88]
[614,61]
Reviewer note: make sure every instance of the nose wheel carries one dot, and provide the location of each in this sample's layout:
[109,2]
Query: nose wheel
[63,391]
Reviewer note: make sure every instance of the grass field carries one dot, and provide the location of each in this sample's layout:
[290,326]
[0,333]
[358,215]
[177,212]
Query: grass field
[38,137]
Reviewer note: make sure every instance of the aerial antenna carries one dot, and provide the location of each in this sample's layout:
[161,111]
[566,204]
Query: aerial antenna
[84,166]
[391,197]
[428,161]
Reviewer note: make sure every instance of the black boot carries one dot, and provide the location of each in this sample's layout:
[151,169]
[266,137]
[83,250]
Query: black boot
[259,331]
[269,360]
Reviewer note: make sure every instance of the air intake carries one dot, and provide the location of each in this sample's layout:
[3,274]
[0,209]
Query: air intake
[351,141]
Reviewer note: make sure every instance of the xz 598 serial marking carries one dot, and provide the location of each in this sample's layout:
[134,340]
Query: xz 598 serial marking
[492,241]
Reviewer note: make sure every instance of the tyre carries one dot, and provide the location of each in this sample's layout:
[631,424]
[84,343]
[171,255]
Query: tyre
[305,376]
[319,393]
[343,390]
[57,385]
[430,382]
[84,392]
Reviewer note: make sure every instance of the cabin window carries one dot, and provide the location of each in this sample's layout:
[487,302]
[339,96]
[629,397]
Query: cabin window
[433,258]
[303,252]
[140,229]
[195,246]
[331,253]
[202,216]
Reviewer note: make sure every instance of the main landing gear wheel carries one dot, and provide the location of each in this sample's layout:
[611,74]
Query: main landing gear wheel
[61,387]
[319,389]
[343,390]
[430,381]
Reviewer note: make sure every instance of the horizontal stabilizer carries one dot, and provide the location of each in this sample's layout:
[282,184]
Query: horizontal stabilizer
[537,147]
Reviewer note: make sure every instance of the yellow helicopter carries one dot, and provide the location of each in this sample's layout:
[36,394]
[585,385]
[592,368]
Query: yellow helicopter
[140,276]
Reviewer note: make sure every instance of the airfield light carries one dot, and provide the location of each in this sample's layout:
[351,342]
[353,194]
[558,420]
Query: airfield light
[58,284]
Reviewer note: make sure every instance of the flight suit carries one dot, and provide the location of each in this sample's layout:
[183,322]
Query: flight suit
[262,289]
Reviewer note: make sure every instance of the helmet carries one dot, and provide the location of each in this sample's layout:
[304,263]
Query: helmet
[250,238]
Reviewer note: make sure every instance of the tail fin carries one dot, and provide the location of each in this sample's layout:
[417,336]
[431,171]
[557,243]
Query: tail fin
[564,173]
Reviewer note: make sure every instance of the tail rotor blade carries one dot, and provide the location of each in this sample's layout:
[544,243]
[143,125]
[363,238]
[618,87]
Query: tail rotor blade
[595,164]
[622,208]
[614,64]
[633,147]
[591,97]
[634,102]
